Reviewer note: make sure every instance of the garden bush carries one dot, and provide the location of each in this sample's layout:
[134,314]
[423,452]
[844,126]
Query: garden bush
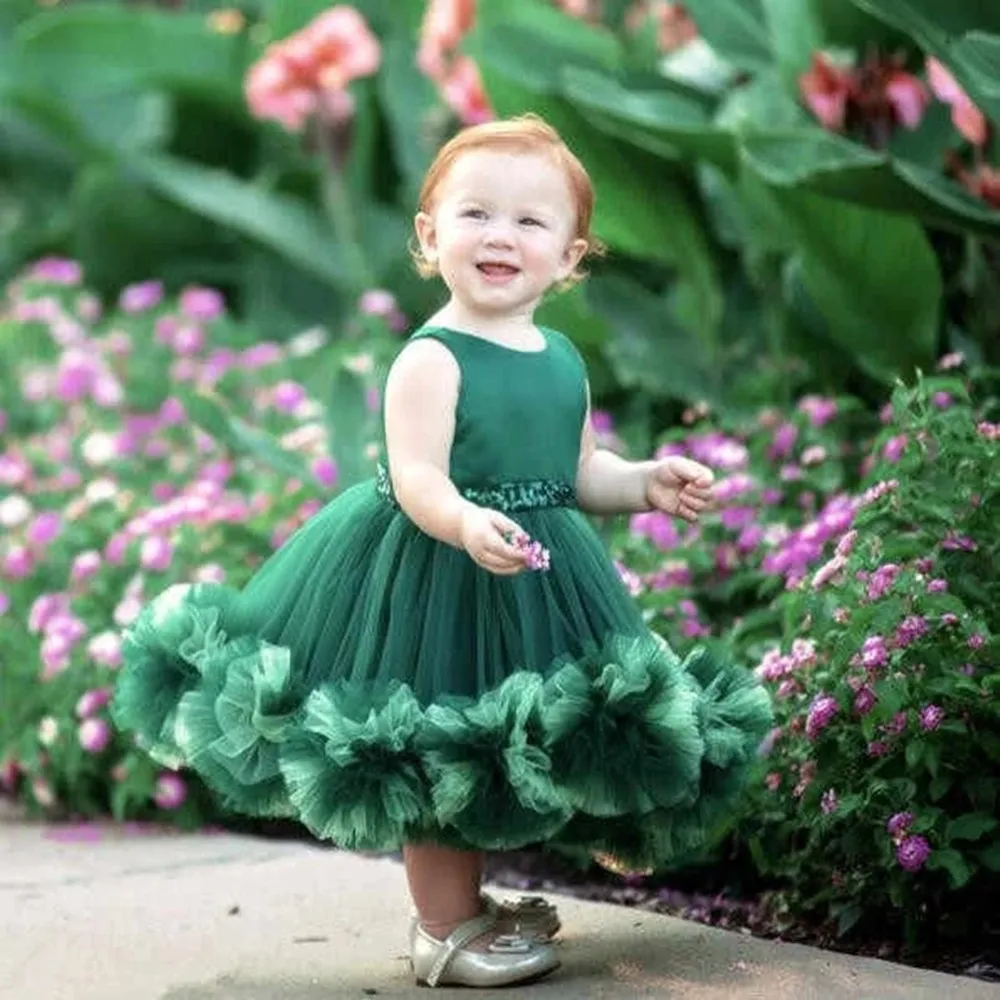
[153,443]
[864,580]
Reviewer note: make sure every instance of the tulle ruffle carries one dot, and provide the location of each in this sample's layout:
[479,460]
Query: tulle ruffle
[624,749]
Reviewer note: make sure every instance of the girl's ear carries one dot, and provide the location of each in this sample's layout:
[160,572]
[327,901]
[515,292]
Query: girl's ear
[423,225]
[572,256]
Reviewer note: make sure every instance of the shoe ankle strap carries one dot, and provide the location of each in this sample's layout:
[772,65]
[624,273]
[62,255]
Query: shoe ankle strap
[456,941]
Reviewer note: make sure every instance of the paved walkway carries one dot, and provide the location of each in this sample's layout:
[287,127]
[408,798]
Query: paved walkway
[106,913]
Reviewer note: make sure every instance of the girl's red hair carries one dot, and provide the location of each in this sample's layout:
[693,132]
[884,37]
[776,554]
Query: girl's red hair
[526,133]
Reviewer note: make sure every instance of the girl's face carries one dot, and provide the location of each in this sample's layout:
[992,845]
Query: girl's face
[501,230]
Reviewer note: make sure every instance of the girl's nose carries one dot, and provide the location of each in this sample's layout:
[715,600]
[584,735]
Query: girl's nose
[498,234]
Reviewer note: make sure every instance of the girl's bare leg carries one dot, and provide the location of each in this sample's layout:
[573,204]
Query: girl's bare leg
[445,886]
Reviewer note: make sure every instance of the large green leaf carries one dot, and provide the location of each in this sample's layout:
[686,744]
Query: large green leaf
[737,30]
[796,31]
[96,48]
[964,34]
[281,222]
[664,121]
[873,276]
[650,350]
[830,165]
[124,232]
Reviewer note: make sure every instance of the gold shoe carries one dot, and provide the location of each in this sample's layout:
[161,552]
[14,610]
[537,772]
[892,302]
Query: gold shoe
[530,916]
[509,958]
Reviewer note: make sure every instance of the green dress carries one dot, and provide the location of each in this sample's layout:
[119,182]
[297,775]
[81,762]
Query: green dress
[379,687]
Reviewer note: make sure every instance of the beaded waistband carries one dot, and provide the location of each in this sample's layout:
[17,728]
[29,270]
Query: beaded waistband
[526,494]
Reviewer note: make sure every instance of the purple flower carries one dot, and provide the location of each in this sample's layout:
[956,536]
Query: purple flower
[820,410]
[378,302]
[931,716]
[899,823]
[200,303]
[864,700]
[874,652]
[877,748]
[977,641]
[912,853]
[325,471]
[45,528]
[828,803]
[657,527]
[57,271]
[170,791]
[894,448]
[882,580]
[92,701]
[141,296]
[821,713]
[910,630]
[783,442]
[156,553]
[942,400]
[937,586]
[85,565]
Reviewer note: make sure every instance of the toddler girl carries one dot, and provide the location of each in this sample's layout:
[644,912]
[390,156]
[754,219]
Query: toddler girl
[444,659]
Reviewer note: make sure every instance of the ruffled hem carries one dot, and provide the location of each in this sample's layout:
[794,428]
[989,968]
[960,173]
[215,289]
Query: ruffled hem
[625,749]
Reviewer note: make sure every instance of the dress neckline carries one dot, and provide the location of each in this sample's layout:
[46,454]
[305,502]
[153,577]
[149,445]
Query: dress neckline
[492,343]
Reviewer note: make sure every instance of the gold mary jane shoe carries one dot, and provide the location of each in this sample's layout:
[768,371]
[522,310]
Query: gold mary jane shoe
[509,958]
[531,916]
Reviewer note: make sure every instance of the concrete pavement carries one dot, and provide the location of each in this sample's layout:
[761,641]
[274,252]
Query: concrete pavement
[108,913]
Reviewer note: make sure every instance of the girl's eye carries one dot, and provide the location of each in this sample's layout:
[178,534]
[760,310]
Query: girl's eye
[473,213]
[529,221]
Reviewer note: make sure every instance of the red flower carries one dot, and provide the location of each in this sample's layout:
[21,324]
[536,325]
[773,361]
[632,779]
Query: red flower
[826,90]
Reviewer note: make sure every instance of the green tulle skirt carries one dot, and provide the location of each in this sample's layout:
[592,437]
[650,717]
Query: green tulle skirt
[380,688]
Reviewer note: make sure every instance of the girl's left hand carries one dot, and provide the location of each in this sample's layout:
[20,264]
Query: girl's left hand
[680,486]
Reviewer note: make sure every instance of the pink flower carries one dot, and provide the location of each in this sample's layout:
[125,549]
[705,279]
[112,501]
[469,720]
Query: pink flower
[907,97]
[444,25]
[85,565]
[94,735]
[170,792]
[44,529]
[937,586]
[942,400]
[156,553]
[202,304]
[57,271]
[894,448]
[325,471]
[141,296]
[657,527]
[288,396]
[92,701]
[773,781]
[977,641]
[188,339]
[814,455]
[378,302]
[828,571]
[968,120]
[105,649]
[17,563]
[309,71]
[463,92]
[828,803]
[826,90]
[819,409]
[910,629]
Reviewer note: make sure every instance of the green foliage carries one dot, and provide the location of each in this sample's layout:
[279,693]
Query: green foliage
[163,446]
[126,142]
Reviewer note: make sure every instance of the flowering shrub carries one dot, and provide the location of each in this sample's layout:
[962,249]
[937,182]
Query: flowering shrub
[878,788]
[152,445]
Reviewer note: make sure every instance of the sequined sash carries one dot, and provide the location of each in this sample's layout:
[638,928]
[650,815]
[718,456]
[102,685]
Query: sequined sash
[527,494]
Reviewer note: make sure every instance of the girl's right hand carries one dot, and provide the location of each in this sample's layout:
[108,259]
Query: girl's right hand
[484,535]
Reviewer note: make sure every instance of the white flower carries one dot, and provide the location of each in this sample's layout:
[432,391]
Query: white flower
[99,448]
[101,490]
[48,731]
[308,342]
[14,511]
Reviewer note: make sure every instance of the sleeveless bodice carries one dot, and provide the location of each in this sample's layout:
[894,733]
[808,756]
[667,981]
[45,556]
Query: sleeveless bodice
[520,414]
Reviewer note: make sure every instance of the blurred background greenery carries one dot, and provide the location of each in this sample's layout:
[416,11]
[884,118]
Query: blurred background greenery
[776,178]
